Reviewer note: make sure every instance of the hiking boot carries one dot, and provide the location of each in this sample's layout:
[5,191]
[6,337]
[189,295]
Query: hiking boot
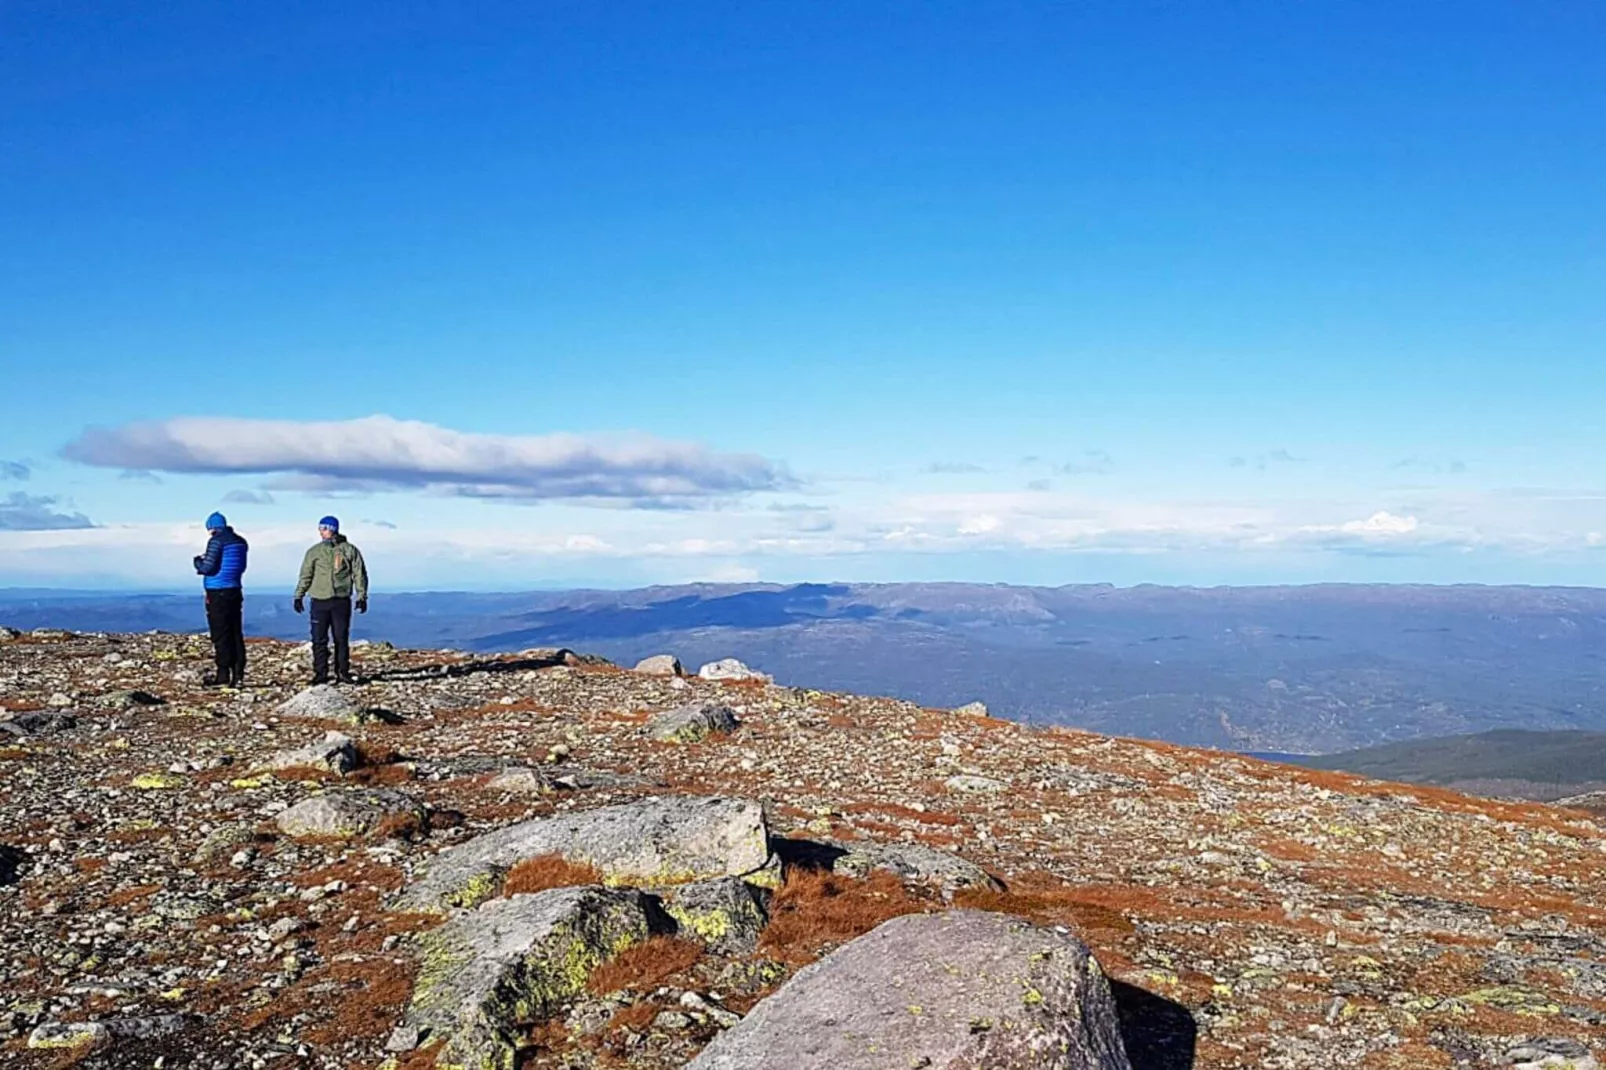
[214,680]
[317,680]
[345,678]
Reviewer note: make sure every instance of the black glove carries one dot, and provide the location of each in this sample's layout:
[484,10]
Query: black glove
[198,560]
[300,606]
[362,605]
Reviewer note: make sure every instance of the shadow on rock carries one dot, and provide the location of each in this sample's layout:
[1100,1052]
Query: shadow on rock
[11,861]
[545,659]
[1158,1034]
[806,854]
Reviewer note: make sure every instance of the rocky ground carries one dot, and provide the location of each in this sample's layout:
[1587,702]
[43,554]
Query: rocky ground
[191,877]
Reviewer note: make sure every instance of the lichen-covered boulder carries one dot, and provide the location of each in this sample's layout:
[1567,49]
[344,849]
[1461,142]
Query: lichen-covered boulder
[520,780]
[963,989]
[487,974]
[348,814]
[726,916]
[654,842]
[693,722]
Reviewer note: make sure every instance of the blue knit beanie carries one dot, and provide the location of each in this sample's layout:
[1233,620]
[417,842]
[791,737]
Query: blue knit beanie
[216,521]
[330,522]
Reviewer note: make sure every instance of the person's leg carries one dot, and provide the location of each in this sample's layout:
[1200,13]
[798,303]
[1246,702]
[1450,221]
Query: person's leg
[341,619]
[217,626]
[321,613]
[237,634]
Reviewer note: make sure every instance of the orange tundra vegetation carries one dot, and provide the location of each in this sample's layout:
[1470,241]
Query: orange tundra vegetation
[816,910]
[544,872]
[645,966]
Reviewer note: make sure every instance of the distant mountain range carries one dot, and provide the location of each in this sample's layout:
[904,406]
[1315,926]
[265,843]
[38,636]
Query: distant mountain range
[1289,669]
[1505,761]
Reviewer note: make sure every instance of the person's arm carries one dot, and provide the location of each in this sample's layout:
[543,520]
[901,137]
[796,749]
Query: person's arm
[304,583]
[209,563]
[359,577]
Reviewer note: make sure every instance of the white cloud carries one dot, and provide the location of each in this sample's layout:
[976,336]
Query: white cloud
[1381,523]
[380,453]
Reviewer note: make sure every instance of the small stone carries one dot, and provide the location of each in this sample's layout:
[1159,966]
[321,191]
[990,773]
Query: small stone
[72,1036]
[335,753]
[403,1038]
[349,814]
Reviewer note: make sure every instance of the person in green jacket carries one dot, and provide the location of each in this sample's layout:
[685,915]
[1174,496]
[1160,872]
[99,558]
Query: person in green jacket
[332,571]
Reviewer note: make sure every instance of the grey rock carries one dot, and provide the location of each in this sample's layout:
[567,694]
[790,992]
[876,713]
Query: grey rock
[349,814]
[70,1036]
[726,916]
[322,701]
[966,988]
[489,973]
[972,709]
[660,665]
[975,785]
[8,634]
[335,752]
[693,722]
[1551,1053]
[912,862]
[403,1038]
[657,841]
[520,780]
[128,700]
[39,723]
[223,841]
[731,669]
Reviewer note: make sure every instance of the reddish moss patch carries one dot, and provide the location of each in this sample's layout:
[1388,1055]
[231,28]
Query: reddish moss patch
[545,872]
[645,966]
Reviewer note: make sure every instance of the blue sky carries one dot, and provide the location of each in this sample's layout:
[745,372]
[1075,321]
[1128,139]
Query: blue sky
[630,293]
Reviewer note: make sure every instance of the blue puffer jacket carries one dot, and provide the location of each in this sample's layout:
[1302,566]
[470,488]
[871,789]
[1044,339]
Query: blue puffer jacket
[224,561]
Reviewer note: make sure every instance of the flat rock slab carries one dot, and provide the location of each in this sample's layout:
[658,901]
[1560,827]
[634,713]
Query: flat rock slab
[349,814]
[39,723]
[488,974]
[963,990]
[970,784]
[911,862]
[693,722]
[334,753]
[654,842]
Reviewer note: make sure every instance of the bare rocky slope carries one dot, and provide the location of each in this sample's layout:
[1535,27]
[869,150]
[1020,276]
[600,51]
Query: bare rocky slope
[521,861]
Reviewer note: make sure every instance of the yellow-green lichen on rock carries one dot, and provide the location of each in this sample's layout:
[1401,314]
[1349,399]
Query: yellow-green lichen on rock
[489,973]
[157,782]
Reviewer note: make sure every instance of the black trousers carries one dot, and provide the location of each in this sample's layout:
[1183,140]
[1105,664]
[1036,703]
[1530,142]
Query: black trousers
[331,616]
[223,612]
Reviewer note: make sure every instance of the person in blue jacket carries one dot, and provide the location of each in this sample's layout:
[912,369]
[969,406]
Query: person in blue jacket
[221,569]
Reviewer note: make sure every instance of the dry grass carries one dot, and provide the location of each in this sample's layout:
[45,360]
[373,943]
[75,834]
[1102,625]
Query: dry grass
[645,966]
[816,911]
[1046,901]
[402,826]
[545,872]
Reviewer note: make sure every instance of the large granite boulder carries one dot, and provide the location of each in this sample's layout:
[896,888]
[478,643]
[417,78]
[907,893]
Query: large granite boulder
[488,974]
[660,665]
[731,669]
[963,990]
[321,702]
[654,842]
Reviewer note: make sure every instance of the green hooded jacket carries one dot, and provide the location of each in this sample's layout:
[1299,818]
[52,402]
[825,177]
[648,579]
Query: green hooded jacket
[333,569]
